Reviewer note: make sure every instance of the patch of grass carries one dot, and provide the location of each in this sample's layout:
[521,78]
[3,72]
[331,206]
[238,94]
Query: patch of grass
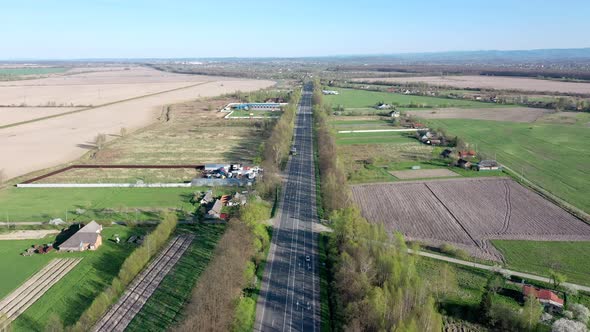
[164,307]
[101,204]
[12,73]
[538,257]
[362,99]
[553,156]
[123,175]
[75,291]
[20,267]
[373,138]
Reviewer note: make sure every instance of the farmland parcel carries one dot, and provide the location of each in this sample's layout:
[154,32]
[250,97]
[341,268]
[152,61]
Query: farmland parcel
[492,82]
[45,143]
[467,213]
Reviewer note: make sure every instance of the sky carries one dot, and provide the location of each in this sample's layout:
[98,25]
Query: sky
[74,29]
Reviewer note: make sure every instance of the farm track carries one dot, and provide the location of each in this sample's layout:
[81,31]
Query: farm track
[454,217]
[506,223]
[23,297]
[122,313]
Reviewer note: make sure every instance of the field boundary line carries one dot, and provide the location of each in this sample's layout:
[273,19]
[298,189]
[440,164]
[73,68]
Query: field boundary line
[494,268]
[379,130]
[575,211]
[99,106]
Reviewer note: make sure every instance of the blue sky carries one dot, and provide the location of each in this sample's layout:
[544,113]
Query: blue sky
[51,29]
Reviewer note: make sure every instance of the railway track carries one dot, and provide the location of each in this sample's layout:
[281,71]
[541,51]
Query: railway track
[143,286]
[23,297]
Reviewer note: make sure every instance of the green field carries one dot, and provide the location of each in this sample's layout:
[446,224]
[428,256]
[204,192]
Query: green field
[374,138]
[164,308]
[101,204]
[11,73]
[72,294]
[362,99]
[268,114]
[553,156]
[538,257]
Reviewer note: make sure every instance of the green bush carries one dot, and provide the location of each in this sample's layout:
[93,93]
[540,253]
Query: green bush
[244,315]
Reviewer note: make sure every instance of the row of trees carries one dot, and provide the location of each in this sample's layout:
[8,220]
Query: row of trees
[335,194]
[276,148]
[223,298]
[134,263]
[375,285]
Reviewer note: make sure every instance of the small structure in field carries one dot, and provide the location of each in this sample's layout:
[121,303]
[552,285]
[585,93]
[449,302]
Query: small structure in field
[488,165]
[87,238]
[383,106]
[330,92]
[548,299]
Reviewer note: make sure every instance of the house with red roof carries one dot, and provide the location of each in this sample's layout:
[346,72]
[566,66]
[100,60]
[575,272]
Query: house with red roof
[548,299]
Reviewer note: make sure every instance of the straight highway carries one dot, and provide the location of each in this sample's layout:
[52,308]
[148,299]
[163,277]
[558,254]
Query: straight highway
[289,297]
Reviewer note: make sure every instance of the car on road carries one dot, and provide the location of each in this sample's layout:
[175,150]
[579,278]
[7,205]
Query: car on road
[307,258]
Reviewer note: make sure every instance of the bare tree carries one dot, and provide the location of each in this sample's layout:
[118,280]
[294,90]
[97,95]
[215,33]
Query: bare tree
[2,176]
[100,140]
[123,131]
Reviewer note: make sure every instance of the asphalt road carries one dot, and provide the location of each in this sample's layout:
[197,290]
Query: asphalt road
[290,293]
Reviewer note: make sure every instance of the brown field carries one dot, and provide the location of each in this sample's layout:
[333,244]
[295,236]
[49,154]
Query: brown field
[122,175]
[93,88]
[10,115]
[467,213]
[29,147]
[423,173]
[512,114]
[492,82]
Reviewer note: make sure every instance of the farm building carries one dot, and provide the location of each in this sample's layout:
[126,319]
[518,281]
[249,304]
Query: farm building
[257,106]
[549,300]
[87,238]
[394,114]
[383,107]
[488,165]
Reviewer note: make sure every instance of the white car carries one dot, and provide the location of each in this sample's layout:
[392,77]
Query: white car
[307,258]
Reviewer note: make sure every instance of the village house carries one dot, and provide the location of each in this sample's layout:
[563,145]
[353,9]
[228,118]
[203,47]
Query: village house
[548,299]
[215,211]
[466,154]
[87,238]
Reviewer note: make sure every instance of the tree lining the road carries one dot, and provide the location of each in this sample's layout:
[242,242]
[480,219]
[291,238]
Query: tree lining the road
[224,298]
[275,150]
[375,287]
